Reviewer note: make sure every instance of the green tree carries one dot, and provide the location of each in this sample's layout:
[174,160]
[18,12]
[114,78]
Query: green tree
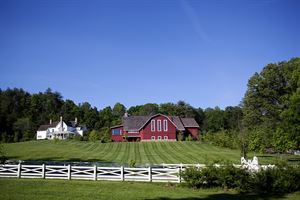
[93,136]
[267,97]
[214,119]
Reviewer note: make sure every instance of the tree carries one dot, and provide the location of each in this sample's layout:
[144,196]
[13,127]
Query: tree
[2,154]
[93,136]
[214,119]
[267,97]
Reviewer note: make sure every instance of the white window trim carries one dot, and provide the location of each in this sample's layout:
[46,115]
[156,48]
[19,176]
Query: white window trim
[159,138]
[152,125]
[166,138]
[165,125]
[158,125]
[153,138]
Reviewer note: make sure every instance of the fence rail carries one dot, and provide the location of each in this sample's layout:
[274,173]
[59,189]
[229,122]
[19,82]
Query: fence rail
[161,173]
[91,173]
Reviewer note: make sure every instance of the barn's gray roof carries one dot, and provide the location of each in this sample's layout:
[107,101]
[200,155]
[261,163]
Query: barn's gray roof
[135,123]
[189,122]
[176,120]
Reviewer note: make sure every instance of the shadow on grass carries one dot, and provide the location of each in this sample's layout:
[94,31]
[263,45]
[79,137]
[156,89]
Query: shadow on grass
[228,196]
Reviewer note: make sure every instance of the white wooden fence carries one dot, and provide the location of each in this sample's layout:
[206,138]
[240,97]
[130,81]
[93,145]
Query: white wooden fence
[69,172]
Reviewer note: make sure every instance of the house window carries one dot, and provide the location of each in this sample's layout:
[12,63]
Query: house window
[116,132]
[152,125]
[166,138]
[165,125]
[159,125]
[153,138]
[159,137]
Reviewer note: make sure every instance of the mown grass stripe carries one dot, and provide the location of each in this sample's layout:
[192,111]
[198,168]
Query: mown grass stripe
[108,154]
[137,153]
[192,153]
[144,158]
[121,153]
[182,157]
[161,153]
[150,153]
[167,152]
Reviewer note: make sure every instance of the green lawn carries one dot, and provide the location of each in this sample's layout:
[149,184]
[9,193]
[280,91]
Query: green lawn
[141,152]
[63,189]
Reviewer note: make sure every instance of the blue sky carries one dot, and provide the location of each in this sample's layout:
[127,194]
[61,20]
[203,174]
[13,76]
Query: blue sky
[135,52]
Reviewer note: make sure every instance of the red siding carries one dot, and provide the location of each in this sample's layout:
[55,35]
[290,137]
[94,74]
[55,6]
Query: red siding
[117,138]
[194,132]
[146,132]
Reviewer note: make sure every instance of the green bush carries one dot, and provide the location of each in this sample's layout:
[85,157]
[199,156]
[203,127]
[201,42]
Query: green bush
[223,138]
[280,179]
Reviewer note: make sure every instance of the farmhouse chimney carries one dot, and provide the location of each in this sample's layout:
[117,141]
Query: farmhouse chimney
[61,124]
[75,120]
[50,121]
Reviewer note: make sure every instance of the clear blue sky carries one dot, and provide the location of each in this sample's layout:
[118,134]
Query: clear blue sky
[135,52]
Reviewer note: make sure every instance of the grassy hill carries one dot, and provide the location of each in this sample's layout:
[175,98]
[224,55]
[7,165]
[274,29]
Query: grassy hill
[141,152]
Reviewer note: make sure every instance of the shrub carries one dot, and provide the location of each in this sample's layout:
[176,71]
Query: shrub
[131,163]
[280,179]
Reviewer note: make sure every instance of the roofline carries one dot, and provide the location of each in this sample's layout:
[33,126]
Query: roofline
[155,116]
[116,126]
[192,126]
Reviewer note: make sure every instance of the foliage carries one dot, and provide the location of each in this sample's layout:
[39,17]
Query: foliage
[189,138]
[105,135]
[227,177]
[272,102]
[3,157]
[223,138]
[94,136]
[131,163]
[180,136]
[280,179]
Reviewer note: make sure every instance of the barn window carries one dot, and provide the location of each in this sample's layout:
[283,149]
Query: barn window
[159,125]
[165,138]
[153,138]
[116,132]
[152,125]
[165,125]
[159,137]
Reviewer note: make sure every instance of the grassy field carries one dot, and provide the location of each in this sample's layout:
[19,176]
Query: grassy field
[141,152]
[62,189]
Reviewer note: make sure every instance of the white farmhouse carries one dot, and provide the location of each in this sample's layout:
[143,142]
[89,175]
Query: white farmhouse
[60,130]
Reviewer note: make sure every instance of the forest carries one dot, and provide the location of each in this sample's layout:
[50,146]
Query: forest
[267,119]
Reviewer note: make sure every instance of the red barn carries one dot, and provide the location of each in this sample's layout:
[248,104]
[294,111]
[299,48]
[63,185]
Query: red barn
[154,128]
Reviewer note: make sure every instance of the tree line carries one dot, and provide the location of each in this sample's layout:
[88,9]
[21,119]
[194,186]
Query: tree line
[268,116]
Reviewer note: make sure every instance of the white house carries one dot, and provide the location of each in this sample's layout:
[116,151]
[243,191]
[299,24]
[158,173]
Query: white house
[61,130]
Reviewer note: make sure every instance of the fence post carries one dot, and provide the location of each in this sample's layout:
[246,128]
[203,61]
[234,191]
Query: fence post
[95,172]
[19,170]
[122,173]
[179,174]
[150,173]
[69,172]
[43,170]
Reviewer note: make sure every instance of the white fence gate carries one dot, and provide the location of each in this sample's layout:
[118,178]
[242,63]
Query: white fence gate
[91,173]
